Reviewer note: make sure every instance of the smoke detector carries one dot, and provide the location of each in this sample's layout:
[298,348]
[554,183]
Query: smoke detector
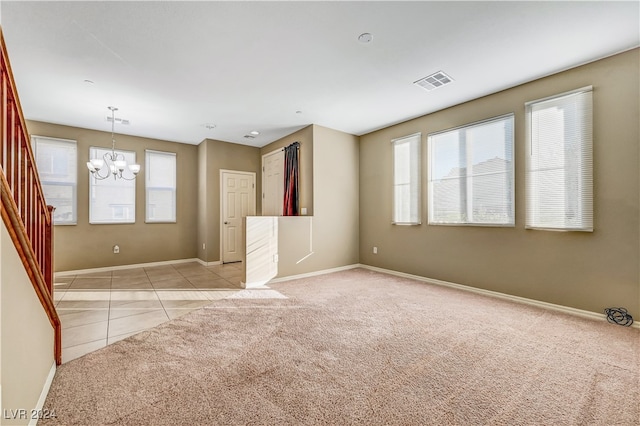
[434,81]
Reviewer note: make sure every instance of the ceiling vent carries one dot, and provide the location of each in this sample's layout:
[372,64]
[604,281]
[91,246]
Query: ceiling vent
[119,120]
[434,81]
[249,137]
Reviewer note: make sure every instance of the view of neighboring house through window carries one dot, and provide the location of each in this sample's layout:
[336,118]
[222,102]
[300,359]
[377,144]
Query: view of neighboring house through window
[112,200]
[471,174]
[406,180]
[559,162]
[160,175]
[56,160]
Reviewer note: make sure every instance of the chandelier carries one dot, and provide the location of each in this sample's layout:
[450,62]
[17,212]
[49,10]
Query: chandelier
[115,162]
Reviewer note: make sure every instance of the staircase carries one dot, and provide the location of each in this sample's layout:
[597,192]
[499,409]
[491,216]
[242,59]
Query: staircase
[24,210]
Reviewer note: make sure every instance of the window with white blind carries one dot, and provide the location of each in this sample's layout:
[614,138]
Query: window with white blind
[471,174]
[112,200]
[406,180]
[559,162]
[57,161]
[160,186]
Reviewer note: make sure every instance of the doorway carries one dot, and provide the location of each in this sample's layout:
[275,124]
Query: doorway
[273,183]
[237,200]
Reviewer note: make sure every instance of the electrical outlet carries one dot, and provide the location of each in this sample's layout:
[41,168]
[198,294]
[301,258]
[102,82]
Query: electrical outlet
[375,250]
[116,249]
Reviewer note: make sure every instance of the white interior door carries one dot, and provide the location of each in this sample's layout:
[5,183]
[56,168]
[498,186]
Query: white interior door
[273,183]
[238,199]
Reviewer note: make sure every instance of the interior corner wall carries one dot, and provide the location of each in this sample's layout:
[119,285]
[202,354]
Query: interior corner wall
[589,271]
[329,238]
[26,337]
[222,156]
[85,246]
[305,137]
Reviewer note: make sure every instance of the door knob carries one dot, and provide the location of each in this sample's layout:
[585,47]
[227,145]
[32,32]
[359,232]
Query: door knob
[226,223]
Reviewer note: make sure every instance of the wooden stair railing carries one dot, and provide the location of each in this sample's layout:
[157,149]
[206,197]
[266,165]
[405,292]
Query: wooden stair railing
[23,207]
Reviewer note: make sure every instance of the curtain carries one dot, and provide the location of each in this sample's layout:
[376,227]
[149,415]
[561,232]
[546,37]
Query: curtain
[291,189]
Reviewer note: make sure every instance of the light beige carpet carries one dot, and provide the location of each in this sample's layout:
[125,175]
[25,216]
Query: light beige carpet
[359,347]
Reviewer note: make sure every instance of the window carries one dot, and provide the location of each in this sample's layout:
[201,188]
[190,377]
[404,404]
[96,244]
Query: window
[559,162]
[406,180]
[160,186]
[112,200]
[57,161]
[471,174]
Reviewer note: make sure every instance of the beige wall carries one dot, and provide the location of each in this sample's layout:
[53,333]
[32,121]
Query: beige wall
[334,224]
[214,156]
[85,246]
[305,137]
[26,336]
[588,271]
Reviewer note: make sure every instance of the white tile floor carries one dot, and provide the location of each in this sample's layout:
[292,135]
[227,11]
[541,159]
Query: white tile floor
[100,308]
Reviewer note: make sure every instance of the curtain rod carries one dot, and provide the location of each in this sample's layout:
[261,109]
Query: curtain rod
[296,143]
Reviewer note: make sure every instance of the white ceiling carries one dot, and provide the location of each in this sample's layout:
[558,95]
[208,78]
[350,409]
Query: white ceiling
[173,67]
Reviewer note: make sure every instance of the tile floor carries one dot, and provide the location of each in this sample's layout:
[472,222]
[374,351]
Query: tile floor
[100,308]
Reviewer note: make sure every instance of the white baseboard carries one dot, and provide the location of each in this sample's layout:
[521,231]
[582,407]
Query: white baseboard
[532,302]
[313,274]
[132,266]
[43,394]
[203,263]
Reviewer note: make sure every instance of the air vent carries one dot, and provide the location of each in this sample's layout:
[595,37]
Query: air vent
[249,137]
[119,120]
[434,81]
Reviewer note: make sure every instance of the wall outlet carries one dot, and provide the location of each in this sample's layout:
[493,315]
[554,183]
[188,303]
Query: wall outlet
[303,211]
[116,249]
[375,250]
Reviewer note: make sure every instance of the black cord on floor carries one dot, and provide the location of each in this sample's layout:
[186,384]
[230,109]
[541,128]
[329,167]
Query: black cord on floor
[619,316]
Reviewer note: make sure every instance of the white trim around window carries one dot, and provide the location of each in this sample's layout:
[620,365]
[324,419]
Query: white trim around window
[112,201]
[160,186]
[57,163]
[559,175]
[406,180]
[471,174]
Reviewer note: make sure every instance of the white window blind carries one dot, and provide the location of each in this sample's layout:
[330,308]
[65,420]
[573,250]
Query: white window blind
[57,161]
[406,180]
[112,200]
[559,162]
[471,174]
[160,186]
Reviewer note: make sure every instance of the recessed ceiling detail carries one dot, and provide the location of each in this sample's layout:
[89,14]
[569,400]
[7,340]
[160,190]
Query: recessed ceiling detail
[434,81]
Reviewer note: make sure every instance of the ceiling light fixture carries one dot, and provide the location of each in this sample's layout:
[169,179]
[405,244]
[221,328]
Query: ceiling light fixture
[116,164]
[254,132]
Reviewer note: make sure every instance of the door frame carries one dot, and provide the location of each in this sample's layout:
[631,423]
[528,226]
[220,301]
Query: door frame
[262,186]
[221,201]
